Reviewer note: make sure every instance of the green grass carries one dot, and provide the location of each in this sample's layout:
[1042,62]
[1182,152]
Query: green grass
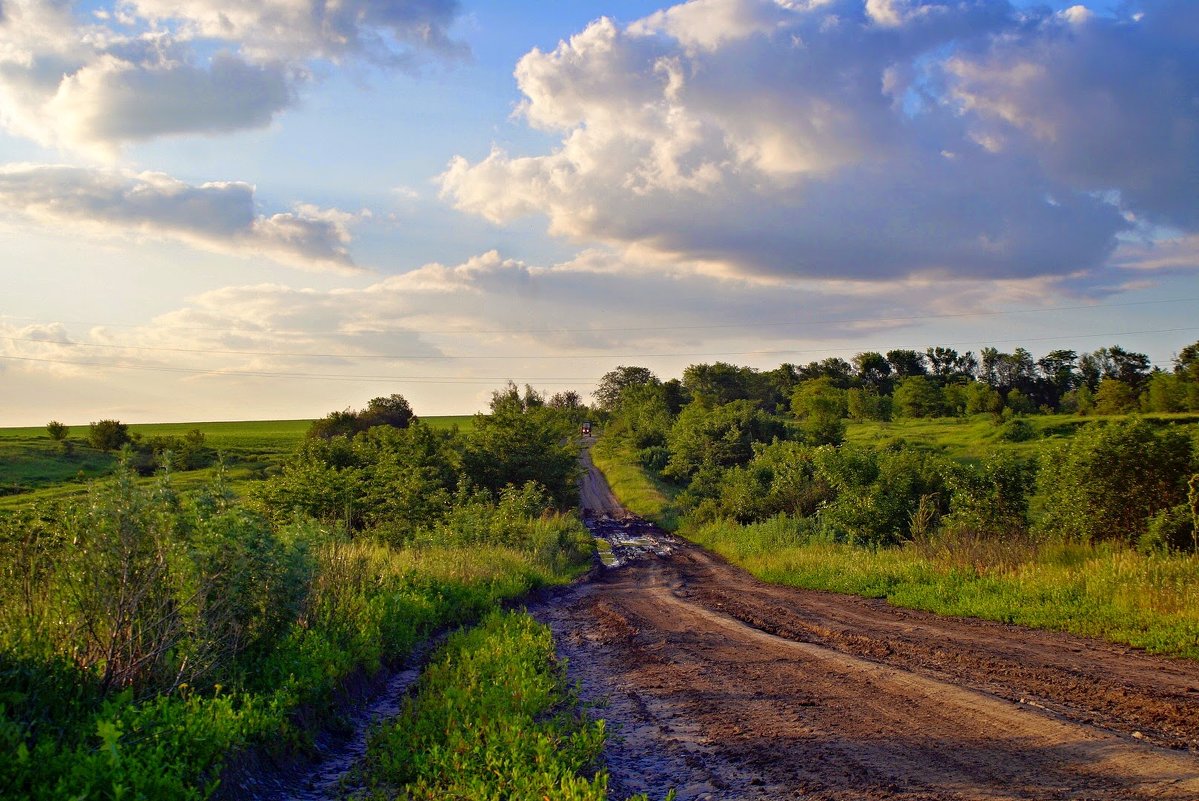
[1108,592]
[971,438]
[641,493]
[368,605]
[492,718]
[34,468]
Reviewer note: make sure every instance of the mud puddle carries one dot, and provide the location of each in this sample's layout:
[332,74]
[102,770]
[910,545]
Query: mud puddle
[624,539]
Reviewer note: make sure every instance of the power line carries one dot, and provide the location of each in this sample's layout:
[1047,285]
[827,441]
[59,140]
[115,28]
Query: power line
[316,376]
[579,381]
[601,330]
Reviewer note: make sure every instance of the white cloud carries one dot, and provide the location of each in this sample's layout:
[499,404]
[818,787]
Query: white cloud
[787,139]
[154,68]
[382,30]
[218,216]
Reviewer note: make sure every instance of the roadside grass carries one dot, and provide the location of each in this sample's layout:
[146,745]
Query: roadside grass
[1148,601]
[493,717]
[368,604]
[640,493]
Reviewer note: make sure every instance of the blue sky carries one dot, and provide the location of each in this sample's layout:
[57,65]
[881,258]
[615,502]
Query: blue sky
[213,211]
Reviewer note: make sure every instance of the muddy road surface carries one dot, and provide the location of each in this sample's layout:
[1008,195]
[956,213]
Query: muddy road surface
[724,687]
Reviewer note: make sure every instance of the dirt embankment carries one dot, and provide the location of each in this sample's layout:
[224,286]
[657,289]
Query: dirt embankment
[725,687]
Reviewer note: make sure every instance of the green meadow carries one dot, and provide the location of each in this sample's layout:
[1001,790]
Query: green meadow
[33,467]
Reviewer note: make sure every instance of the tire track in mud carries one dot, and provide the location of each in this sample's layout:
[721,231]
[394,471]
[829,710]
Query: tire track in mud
[724,687]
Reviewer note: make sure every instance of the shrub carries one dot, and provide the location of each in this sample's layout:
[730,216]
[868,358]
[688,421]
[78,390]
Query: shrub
[107,435]
[1107,481]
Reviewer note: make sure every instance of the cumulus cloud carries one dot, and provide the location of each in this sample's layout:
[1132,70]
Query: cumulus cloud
[139,70]
[219,216]
[842,139]
[1104,104]
[383,30]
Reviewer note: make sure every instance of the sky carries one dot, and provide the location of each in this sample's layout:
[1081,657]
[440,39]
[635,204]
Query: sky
[277,208]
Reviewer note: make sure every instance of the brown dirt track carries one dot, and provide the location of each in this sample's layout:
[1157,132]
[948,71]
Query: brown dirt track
[725,687]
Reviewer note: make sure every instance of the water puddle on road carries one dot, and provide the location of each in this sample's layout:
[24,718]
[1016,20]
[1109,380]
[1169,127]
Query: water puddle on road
[625,539]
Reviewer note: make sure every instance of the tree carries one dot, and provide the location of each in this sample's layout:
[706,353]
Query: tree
[982,398]
[614,382]
[906,362]
[718,436]
[720,383]
[873,370]
[392,410]
[867,404]
[916,396]
[1165,392]
[521,442]
[1115,397]
[57,431]
[107,435]
[568,399]
[1058,369]
[820,407]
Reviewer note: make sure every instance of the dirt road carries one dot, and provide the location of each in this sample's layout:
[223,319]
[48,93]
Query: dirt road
[724,687]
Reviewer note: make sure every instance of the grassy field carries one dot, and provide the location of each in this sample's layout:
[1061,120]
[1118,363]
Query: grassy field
[35,468]
[970,438]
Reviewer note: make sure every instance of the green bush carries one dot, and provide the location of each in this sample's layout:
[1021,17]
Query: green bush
[1111,478]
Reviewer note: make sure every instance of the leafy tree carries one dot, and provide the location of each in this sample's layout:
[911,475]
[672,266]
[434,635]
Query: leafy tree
[982,398]
[568,399]
[906,363]
[838,371]
[1115,397]
[1186,363]
[107,435]
[867,404]
[1165,392]
[916,396]
[1126,366]
[821,407]
[614,382]
[57,431]
[1059,372]
[521,442]
[873,370]
[1106,482]
[990,498]
[947,363]
[720,383]
[1019,402]
[392,410]
[720,436]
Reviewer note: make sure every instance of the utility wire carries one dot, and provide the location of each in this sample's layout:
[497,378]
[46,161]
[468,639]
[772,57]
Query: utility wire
[601,330]
[472,379]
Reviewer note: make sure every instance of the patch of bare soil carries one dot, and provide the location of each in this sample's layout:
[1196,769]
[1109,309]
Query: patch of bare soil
[725,687]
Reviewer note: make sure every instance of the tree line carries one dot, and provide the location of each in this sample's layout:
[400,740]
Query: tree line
[748,444]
